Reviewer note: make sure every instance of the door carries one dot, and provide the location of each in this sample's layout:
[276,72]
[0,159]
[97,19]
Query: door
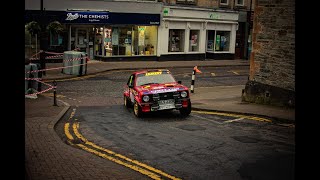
[82,39]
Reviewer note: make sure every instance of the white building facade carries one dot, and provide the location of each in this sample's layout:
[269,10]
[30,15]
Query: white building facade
[196,33]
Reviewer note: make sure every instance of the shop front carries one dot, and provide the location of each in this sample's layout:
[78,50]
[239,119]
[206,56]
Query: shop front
[197,34]
[113,36]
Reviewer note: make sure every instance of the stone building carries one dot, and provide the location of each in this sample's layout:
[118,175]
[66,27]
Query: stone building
[272,62]
[146,29]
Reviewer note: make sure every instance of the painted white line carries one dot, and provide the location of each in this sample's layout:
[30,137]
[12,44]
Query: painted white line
[233,120]
[207,119]
[234,72]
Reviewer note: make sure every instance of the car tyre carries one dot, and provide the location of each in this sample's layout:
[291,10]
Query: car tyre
[137,110]
[126,102]
[186,111]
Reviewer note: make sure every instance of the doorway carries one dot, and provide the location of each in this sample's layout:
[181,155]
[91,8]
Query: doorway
[82,37]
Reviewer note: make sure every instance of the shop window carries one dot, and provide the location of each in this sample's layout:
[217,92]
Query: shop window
[176,40]
[126,40]
[55,39]
[194,40]
[222,41]
[210,40]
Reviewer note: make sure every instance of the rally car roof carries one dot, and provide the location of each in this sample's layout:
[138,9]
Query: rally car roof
[150,70]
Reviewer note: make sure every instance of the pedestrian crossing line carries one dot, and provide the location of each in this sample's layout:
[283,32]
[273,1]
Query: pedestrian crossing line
[78,135]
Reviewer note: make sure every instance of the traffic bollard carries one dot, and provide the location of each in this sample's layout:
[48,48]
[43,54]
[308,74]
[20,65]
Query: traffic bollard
[195,70]
[192,81]
[54,93]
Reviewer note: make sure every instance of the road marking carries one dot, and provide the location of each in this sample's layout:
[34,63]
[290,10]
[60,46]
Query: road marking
[234,72]
[207,119]
[234,115]
[76,132]
[136,168]
[67,132]
[233,120]
[213,74]
[72,113]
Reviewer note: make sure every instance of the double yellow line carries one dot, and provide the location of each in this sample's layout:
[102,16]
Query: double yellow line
[112,156]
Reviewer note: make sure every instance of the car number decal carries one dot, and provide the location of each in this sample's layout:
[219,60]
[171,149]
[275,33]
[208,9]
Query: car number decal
[153,73]
[164,90]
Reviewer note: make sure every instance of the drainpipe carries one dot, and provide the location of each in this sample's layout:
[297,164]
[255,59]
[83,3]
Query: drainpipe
[248,44]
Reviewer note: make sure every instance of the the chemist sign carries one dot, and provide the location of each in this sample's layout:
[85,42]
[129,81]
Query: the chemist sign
[87,17]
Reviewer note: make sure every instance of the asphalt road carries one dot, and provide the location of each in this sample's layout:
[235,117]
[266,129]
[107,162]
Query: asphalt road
[201,146]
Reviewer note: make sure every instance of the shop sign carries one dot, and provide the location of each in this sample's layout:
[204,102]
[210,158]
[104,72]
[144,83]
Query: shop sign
[214,16]
[94,17]
[166,11]
[87,17]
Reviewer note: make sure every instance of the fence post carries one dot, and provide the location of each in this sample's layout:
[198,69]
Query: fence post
[30,82]
[85,70]
[39,76]
[81,62]
[54,93]
[43,61]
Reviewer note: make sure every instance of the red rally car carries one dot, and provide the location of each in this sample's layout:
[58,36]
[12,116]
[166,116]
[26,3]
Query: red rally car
[155,90]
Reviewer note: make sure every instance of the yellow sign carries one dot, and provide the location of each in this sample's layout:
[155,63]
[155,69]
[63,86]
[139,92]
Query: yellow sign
[153,73]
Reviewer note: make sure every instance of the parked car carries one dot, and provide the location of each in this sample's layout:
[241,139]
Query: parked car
[156,90]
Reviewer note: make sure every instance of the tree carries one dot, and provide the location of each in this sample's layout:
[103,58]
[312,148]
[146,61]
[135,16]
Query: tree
[55,27]
[33,28]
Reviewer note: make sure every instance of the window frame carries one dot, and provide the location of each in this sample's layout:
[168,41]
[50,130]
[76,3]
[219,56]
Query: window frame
[237,4]
[227,3]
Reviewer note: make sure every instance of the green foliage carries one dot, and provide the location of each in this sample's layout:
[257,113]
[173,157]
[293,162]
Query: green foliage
[33,28]
[55,27]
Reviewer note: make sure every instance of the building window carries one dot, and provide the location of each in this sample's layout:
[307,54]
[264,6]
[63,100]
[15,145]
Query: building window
[240,2]
[55,39]
[194,40]
[176,40]
[222,41]
[224,2]
[186,1]
[126,40]
[210,41]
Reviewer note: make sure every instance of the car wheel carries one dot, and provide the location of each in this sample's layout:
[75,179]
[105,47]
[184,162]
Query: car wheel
[126,102]
[137,110]
[186,111]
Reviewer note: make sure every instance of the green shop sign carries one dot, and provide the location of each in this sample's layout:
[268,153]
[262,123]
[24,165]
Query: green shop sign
[214,16]
[166,11]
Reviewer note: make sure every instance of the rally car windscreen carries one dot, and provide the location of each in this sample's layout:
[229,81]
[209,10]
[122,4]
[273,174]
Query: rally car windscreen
[154,78]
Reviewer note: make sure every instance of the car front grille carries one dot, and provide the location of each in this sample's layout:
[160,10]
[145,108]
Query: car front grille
[165,96]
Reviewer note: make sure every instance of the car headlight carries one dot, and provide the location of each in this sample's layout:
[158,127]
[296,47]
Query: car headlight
[145,98]
[184,94]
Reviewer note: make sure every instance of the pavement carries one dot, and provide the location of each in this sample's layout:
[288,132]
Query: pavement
[47,157]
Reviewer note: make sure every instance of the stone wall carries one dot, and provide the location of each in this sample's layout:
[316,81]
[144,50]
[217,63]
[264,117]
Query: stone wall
[272,61]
